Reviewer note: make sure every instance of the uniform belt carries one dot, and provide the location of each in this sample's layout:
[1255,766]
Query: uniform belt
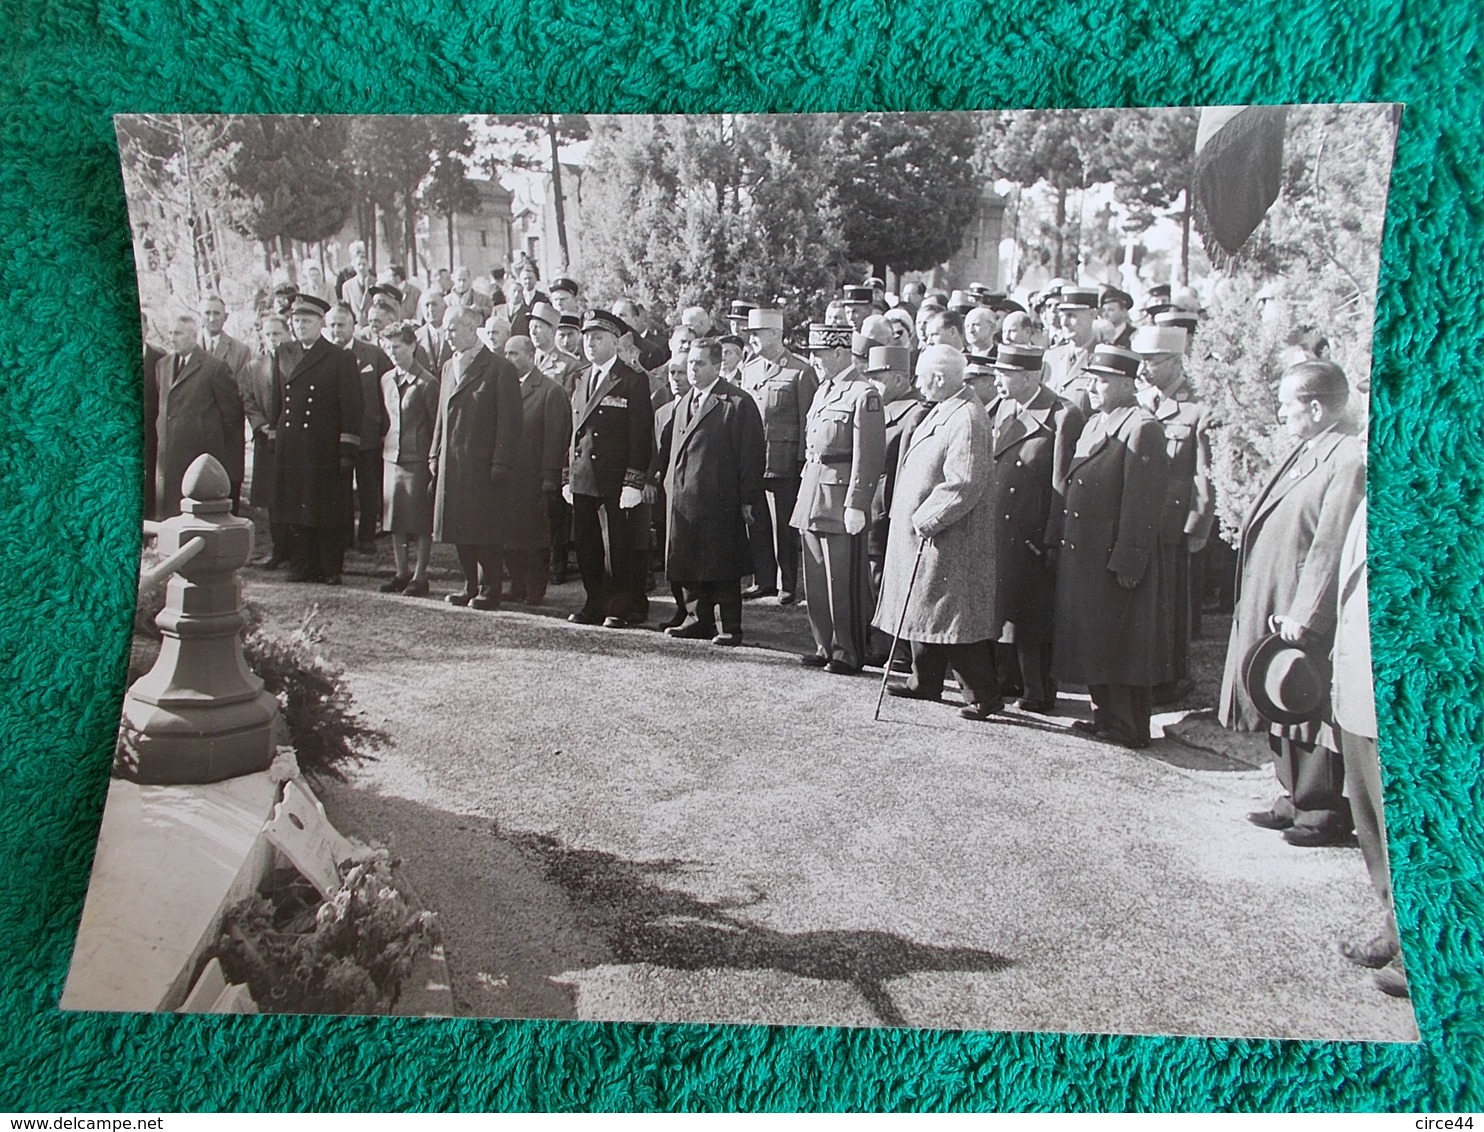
[845,459]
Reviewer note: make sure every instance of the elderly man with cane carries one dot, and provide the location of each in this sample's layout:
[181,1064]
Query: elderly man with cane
[935,589]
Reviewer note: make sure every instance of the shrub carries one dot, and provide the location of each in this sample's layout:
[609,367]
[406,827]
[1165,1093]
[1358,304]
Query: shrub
[327,732]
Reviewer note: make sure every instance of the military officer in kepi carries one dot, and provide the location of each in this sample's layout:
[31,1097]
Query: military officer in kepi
[783,385]
[316,439]
[844,456]
[1034,433]
[1189,507]
[1108,575]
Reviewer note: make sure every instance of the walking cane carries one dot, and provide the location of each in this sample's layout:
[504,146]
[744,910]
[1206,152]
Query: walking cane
[897,636]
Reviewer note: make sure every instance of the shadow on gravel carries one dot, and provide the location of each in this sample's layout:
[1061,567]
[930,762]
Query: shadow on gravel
[621,902]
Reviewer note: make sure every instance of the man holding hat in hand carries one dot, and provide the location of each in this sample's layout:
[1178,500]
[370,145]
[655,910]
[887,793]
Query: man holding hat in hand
[608,467]
[1288,577]
[844,456]
[783,385]
[1108,569]
[316,440]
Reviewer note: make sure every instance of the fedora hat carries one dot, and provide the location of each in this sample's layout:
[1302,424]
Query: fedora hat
[1287,684]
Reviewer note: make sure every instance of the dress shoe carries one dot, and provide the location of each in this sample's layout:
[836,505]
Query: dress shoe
[515,595]
[487,602]
[752,593]
[1269,819]
[583,617]
[299,576]
[1392,979]
[814,660]
[1373,953]
[1089,728]
[333,580]
[416,588]
[676,618]
[1037,707]
[730,640]
[982,712]
[395,584]
[1311,837]
[615,623]
[693,632]
[907,692]
[786,598]
[840,668]
[458,599]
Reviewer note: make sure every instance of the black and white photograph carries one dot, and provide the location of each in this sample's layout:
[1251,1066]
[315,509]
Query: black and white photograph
[863,569]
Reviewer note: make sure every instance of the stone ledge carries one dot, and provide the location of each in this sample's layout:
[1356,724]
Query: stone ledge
[170,861]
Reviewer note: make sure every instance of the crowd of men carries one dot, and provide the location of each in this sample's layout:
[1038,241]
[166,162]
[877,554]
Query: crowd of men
[950,482]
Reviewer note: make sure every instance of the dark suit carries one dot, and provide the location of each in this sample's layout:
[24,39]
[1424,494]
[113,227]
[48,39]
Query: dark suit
[1104,633]
[713,462]
[433,344]
[518,311]
[612,445]
[152,358]
[1032,445]
[535,480]
[319,421]
[475,443]
[200,412]
[1290,566]
[371,363]
[235,355]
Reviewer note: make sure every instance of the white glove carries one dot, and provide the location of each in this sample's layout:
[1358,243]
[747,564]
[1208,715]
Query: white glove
[567,493]
[629,498]
[855,520]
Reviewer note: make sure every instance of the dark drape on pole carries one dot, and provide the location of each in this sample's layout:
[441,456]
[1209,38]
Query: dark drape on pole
[1238,171]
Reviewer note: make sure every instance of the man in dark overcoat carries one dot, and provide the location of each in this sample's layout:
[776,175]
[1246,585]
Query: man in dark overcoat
[152,356]
[1190,505]
[1033,435]
[1289,569]
[1108,566]
[608,464]
[200,411]
[782,384]
[714,459]
[475,441]
[536,475]
[371,362]
[316,438]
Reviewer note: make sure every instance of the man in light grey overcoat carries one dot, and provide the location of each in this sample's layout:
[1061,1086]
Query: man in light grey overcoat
[942,531]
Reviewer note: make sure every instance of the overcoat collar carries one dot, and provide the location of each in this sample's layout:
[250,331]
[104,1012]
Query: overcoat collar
[1095,439]
[192,364]
[944,411]
[1034,416]
[310,354]
[471,371]
[722,390]
[1302,462]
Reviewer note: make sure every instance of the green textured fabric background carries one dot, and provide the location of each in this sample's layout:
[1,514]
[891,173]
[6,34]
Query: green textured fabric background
[70,423]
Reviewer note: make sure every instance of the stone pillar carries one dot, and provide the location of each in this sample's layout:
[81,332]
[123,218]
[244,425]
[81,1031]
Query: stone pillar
[200,715]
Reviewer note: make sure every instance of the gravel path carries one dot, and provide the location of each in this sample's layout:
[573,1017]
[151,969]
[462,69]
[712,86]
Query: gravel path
[616,825]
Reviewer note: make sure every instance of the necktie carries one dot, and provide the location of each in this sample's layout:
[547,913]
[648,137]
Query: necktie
[179,365]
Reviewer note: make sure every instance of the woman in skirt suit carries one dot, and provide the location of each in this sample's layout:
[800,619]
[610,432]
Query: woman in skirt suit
[410,395]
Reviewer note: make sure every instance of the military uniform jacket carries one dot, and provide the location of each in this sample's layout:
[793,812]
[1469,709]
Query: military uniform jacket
[1105,634]
[713,462]
[562,367]
[475,439]
[1065,374]
[1190,504]
[200,412]
[612,432]
[1289,563]
[784,390]
[319,412]
[902,416]
[844,454]
[1031,449]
